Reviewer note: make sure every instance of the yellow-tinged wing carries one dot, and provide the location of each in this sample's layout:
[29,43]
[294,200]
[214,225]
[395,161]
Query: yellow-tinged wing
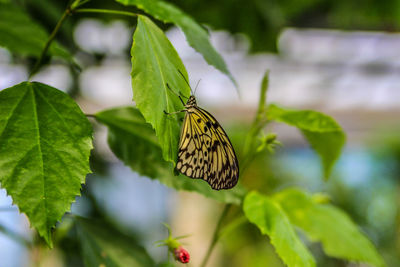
[205,151]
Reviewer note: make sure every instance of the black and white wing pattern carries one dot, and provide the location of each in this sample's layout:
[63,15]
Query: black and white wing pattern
[205,151]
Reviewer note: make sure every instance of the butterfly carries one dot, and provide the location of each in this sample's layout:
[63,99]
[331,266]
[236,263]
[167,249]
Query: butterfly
[205,151]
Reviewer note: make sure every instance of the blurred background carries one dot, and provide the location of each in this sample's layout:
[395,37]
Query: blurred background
[338,57]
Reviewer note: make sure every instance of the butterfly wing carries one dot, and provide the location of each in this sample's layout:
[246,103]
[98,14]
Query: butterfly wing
[205,151]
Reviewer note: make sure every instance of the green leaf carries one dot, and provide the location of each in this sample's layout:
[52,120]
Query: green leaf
[21,35]
[103,245]
[134,142]
[323,133]
[269,217]
[155,63]
[339,236]
[45,143]
[196,35]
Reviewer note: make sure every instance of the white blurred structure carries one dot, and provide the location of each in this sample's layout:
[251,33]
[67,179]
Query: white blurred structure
[319,68]
[333,70]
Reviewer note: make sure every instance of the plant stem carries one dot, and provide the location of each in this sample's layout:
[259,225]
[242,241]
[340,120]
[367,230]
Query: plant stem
[216,235]
[260,118]
[263,97]
[51,38]
[105,11]
[69,10]
[259,122]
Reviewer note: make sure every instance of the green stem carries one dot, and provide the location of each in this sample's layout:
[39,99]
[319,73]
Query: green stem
[73,8]
[105,11]
[48,43]
[216,235]
[259,122]
[263,97]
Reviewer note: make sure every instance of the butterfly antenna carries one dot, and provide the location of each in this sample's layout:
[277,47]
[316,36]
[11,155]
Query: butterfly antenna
[195,89]
[176,94]
[184,78]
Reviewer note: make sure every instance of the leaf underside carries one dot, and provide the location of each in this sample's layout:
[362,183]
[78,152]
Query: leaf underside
[323,133]
[339,235]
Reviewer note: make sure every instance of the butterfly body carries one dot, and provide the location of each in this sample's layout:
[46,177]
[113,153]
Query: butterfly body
[205,151]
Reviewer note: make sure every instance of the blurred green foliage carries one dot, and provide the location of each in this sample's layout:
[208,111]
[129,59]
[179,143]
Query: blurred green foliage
[26,37]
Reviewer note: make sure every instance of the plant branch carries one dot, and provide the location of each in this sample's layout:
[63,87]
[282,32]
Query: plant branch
[216,235]
[72,8]
[36,67]
[105,11]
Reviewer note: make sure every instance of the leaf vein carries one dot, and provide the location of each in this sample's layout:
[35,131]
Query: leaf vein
[37,128]
[66,128]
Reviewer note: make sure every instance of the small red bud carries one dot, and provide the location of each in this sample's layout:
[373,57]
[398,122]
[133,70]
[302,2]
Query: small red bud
[181,255]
